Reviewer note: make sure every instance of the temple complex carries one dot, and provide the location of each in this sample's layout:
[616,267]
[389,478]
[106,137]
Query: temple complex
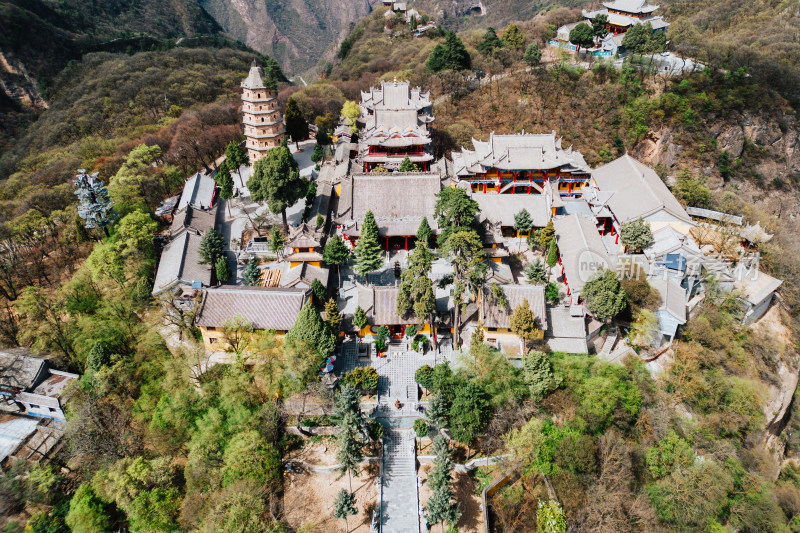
[262,118]
[395,118]
[521,164]
[624,14]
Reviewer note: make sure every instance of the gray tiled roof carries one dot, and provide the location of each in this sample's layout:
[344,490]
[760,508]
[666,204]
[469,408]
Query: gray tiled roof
[399,201]
[755,286]
[638,191]
[254,79]
[197,220]
[180,263]
[673,297]
[495,315]
[630,6]
[18,370]
[581,249]
[265,307]
[502,207]
[198,192]
[303,275]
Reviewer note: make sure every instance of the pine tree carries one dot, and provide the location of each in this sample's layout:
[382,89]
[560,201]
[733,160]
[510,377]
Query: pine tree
[535,272]
[547,235]
[582,35]
[252,274]
[235,157]
[95,207]
[368,250]
[296,125]
[490,42]
[222,268]
[408,166]
[309,333]
[212,246]
[636,235]
[344,506]
[424,232]
[442,506]
[336,253]
[537,372]
[348,401]
[449,55]
[360,320]
[276,180]
[552,255]
[332,316]
[600,26]
[523,221]
[513,37]
[523,323]
[438,411]
[604,295]
[318,290]
[225,182]
[276,241]
[533,55]
[349,454]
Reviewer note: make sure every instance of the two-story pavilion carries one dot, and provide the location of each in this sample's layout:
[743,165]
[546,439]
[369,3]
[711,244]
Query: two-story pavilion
[521,164]
[622,15]
[396,119]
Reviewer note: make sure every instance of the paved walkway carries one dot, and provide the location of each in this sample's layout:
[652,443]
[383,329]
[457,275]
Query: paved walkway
[399,496]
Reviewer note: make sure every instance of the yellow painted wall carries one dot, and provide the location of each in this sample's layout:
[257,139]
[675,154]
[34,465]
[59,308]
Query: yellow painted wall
[497,260]
[214,338]
[339,190]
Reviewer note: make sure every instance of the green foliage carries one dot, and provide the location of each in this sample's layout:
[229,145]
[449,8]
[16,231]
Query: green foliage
[469,413]
[533,55]
[310,340]
[442,506]
[424,376]
[449,55]
[421,428]
[454,210]
[641,39]
[552,254]
[550,517]
[276,240]
[582,35]
[600,25]
[490,42]
[513,37]
[251,273]
[332,316]
[538,374]
[408,166]
[536,273]
[222,269]
[225,182]
[126,186]
[212,247]
[544,237]
[296,125]
[349,444]
[335,251]
[636,235]
[523,221]
[410,331]
[352,112]
[692,191]
[88,513]
[319,290]
[360,320]
[235,156]
[604,295]
[438,411]
[364,378]
[671,453]
[344,505]
[368,252]
[318,154]
[248,456]
[276,181]
[523,323]
[419,342]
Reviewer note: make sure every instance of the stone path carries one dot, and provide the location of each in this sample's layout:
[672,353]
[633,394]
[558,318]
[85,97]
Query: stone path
[399,496]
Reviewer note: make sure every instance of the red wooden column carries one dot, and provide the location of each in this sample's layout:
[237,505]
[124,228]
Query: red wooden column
[484,187]
[387,243]
[406,242]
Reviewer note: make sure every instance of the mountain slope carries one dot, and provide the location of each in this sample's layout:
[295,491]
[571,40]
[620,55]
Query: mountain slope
[295,32]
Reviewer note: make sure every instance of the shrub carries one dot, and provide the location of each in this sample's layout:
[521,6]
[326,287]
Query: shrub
[364,378]
[419,342]
[421,428]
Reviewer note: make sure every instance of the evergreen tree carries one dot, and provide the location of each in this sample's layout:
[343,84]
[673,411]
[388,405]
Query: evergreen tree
[408,166]
[344,506]
[424,232]
[442,506]
[449,55]
[336,253]
[535,272]
[317,154]
[252,274]
[523,221]
[476,339]
[454,210]
[416,287]
[533,55]
[225,182]
[348,401]
[513,37]
[332,316]
[523,324]
[212,246]
[318,290]
[296,125]
[600,26]
[469,413]
[636,235]
[582,35]
[235,157]
[604,295]
[546,236]
[465,250]
[360,320]
[537,372]
[276,241]
[438,411]
[276,180]
[95,206]
[349,454]
[310,334]
[490,42]
[368,250]
[424,376]
[552,254]
[222,268]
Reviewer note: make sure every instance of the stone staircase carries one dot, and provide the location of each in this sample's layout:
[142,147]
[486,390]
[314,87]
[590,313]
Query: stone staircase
[400,501]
